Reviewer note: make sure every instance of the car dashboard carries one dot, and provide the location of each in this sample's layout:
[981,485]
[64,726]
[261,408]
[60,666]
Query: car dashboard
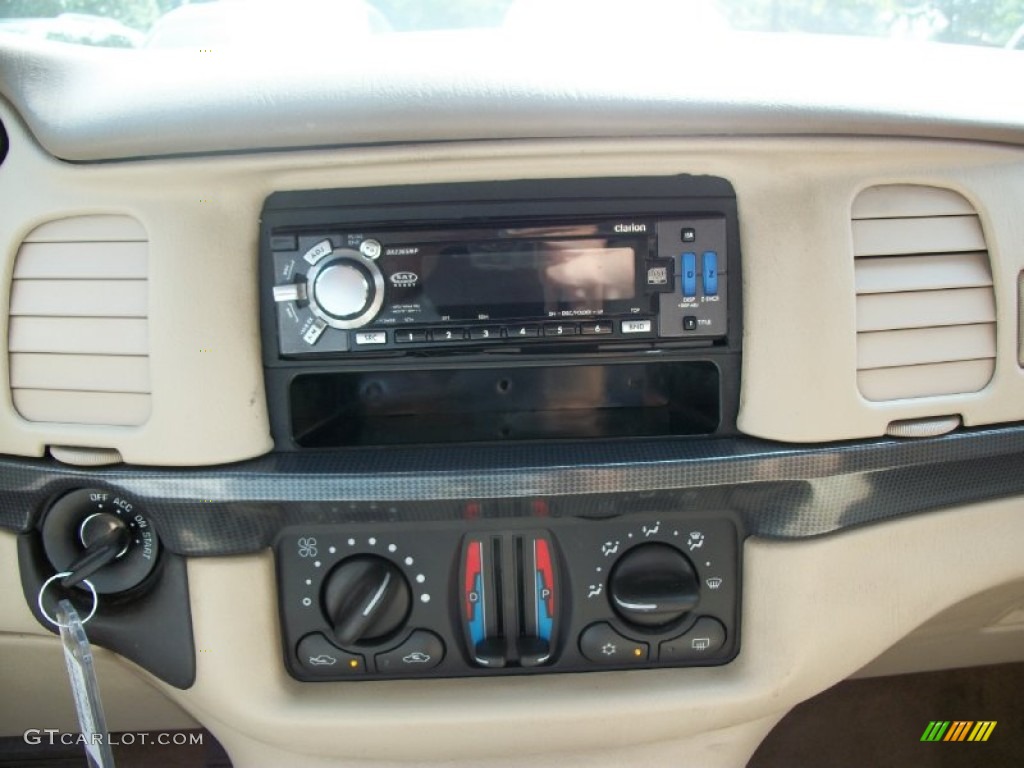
[486,418]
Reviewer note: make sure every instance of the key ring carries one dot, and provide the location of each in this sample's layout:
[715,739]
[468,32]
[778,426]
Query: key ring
[62,575]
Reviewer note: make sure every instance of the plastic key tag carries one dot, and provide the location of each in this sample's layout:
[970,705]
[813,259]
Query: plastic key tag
[78,657]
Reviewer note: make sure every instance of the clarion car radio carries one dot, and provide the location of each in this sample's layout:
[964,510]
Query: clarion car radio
[610,298]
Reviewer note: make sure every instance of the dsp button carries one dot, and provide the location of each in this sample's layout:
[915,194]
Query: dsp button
[422,651]
[704,639]
[318,657]
[603,645]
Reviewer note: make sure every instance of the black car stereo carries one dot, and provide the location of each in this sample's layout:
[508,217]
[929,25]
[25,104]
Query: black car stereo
[501,311]
[625,278]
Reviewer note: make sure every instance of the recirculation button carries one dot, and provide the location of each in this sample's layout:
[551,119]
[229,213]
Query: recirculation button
[422,651]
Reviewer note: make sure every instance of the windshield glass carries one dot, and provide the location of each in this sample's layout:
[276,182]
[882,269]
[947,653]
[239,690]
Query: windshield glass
[219,24]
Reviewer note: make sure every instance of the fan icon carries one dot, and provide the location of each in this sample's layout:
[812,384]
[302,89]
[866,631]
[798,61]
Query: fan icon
[307,547]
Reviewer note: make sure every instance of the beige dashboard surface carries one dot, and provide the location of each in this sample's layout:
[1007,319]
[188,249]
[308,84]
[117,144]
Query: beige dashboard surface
[814,612]
[799,380]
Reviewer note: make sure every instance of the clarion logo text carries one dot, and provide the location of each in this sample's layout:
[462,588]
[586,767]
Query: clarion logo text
[625,228]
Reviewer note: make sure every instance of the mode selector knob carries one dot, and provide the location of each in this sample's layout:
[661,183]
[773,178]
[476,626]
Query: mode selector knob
[346,292]
[365,598]
[653,585]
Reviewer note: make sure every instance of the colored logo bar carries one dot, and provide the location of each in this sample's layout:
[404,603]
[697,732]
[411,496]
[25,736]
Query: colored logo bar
[958,730]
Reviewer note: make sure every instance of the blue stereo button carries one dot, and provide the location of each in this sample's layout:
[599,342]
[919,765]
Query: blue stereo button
[689,274]
[710,260]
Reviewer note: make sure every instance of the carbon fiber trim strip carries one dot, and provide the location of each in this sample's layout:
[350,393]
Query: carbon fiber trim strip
[780,491]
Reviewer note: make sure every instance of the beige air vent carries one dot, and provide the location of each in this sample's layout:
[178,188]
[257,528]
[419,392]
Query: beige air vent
[925,307]
[78,336]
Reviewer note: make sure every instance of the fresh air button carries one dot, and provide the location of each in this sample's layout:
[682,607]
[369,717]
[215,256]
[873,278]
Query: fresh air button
[522,331]
[704,639]
[603,645]
[636,326]
[447,334]
[422,651]
[408,337]
[689,322]
[485,334]
[320,658]
[689,274]
[710,265]
[596,329]
[560,329]
[372,337]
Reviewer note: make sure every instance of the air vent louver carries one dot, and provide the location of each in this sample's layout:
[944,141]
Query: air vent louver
[925,307]
[78,337]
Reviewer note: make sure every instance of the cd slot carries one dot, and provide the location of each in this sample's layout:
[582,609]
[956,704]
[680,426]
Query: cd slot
[491,404]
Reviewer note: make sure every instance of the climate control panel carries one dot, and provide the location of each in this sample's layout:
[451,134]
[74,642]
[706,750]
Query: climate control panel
[509,596]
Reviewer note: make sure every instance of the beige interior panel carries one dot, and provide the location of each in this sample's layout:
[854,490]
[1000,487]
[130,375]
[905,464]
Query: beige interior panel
[69,298]
[814,612]
[86,260]
[100,408]
[99,373]
[79,335]
[34,667]
[896,201]
[987,628]
[794,196]
[924,309]
[923,273]
[883,237]
[926,345]
[925,380]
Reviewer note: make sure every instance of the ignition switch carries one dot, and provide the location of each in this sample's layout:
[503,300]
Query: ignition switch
[100,536]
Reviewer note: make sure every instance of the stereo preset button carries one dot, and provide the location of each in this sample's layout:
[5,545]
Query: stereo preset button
[318,657]
[372,337]
[313,333]
[485,334]
[710,266]
[689,274]
[560,329]
[421,652]
[704,639]
[522,331]
[603,645]
[406,337]
[318,251]
[596,329]
[448,334]
[636,326]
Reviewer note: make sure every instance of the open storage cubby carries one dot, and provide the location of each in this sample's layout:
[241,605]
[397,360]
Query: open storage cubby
[495,404]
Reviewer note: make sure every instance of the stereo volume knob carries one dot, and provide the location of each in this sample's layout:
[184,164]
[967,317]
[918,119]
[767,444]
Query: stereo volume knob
[653,585]
[342,289]
[345,292]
